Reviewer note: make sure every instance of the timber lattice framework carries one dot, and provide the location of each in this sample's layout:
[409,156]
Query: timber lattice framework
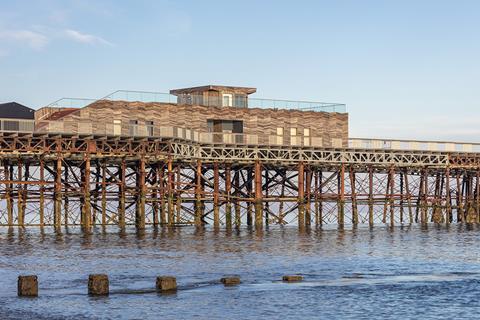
[61,180]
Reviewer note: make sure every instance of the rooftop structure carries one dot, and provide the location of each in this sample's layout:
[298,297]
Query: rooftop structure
[214,96]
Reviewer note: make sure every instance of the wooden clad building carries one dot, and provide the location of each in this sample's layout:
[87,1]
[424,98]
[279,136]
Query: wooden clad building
[217,114]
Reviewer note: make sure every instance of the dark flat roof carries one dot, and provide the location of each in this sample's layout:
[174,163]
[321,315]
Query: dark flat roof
[245,90]
[14,110]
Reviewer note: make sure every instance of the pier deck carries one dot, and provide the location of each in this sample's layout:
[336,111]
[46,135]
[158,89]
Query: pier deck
[66,179]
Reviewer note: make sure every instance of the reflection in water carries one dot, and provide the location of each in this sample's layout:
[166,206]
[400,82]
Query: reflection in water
[349,273]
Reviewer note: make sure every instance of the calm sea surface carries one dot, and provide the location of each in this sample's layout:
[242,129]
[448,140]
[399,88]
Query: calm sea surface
[379,273]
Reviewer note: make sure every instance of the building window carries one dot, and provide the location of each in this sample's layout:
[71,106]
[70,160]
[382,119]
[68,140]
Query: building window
[10,125]
[337,142]
[149,125]
[226,130]
[227,100]
[293,137]
[306,137]
[133,124]
[240,101]
[117,127]
[279,137]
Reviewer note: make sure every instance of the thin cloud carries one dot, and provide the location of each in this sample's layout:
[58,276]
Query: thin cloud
[59,16]
[34,40]
[176,23]
[85,38]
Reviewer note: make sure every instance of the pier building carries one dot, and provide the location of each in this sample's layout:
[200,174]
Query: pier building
[207,114]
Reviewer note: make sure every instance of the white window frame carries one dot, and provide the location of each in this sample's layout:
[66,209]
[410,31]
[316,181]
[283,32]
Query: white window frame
[230,99]
[117,124]
[294,141]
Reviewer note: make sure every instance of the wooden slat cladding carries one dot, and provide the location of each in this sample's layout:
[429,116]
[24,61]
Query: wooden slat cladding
[256,121]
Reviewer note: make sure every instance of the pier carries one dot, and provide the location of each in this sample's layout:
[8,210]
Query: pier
[49,179]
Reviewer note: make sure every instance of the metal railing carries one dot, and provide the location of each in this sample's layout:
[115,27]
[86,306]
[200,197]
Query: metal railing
[415,145]
[141,96]
[296,105]
[70,103]
[237,101]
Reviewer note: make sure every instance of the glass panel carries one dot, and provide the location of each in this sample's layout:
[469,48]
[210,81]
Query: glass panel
[10,125]
[117,127]
[133,127]
[149,125]
[227,100]
[306,141]
[240,101]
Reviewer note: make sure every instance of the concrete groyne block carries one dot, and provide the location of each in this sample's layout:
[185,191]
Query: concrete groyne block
[230,281]
[166,283]
[292,278]
[27,286]
[98,285]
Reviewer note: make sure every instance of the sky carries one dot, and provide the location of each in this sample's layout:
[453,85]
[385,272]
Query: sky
[405,69]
